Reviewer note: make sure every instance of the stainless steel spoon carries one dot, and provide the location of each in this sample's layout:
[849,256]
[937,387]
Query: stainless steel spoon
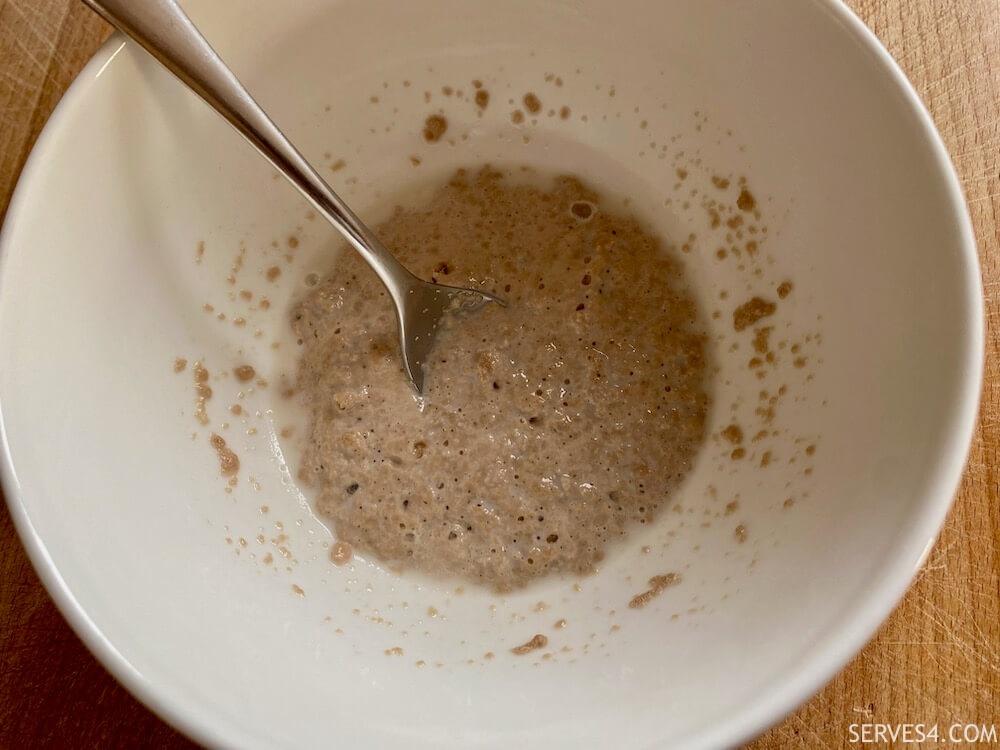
[165,31]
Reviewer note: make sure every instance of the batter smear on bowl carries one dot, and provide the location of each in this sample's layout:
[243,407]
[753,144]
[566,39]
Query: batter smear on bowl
[549,427]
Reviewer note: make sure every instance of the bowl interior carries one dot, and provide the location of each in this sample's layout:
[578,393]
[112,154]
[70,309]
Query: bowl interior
[218,605]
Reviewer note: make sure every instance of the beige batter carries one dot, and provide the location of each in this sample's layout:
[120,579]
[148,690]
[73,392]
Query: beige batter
[549,428]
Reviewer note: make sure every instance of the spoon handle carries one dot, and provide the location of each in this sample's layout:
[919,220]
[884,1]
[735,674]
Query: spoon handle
[163,29]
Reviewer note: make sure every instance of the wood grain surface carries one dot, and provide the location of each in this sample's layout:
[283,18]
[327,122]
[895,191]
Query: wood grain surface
[937,659]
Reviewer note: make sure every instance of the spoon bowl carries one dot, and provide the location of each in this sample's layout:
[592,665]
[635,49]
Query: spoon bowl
[163,29]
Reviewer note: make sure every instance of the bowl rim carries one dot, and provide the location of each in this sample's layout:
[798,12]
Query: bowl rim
[842,640]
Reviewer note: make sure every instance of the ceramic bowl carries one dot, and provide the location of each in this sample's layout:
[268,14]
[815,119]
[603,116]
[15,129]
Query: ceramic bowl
[217,604]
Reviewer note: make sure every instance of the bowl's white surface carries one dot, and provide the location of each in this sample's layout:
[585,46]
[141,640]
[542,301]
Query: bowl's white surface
[116,492]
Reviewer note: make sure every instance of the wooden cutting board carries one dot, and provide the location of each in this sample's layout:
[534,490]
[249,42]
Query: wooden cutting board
[936,661]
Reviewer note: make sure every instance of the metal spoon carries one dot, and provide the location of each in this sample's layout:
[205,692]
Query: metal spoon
[165,31]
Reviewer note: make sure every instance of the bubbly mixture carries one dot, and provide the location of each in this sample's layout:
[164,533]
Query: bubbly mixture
[549,427]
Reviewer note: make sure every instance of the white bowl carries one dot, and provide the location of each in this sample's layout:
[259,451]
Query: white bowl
[155,561]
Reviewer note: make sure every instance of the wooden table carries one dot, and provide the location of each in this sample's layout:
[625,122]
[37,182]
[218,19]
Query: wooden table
[937,660]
